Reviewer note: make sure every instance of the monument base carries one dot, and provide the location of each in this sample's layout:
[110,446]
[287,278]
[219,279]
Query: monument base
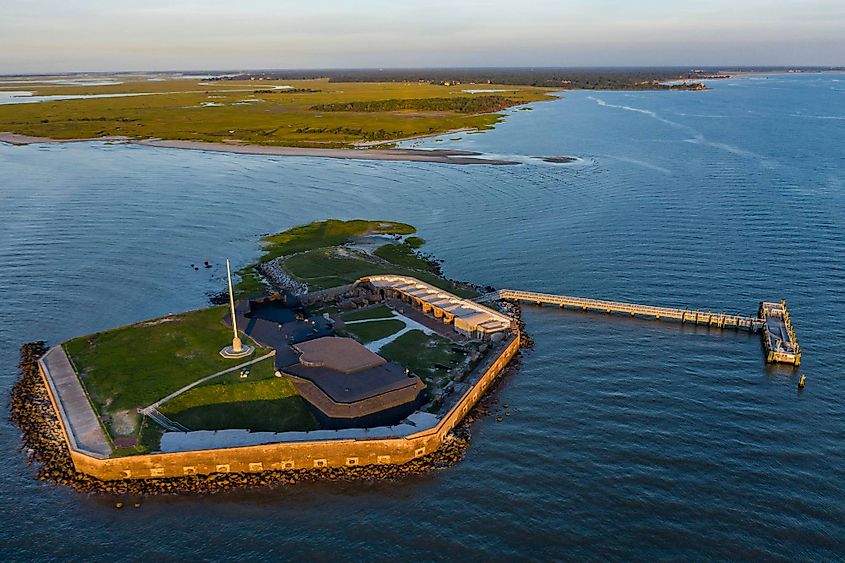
[229,351]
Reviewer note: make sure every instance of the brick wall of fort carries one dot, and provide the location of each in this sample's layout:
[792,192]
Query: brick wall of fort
[292,455]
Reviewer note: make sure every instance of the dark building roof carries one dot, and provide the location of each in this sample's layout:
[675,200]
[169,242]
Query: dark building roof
[349,388]
[343,382]
[348,385]
[256,323]
[339,354]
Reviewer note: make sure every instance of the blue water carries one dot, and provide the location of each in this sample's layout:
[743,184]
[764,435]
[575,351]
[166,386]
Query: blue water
[628,439]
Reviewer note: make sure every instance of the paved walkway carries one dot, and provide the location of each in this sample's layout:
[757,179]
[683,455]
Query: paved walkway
[368,320]
[435,325]
[80,420]
[410,325]
[148,410]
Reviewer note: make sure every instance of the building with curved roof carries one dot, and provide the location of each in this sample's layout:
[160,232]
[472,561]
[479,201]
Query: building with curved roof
[467,317]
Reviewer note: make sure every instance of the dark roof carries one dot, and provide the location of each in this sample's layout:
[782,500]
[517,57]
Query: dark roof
[276,335]
[338,353]
[343,388]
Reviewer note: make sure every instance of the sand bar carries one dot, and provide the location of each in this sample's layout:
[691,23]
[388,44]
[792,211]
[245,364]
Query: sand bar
[415,155]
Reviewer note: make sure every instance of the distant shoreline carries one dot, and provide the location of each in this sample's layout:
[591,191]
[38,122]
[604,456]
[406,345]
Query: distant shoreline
[406,155]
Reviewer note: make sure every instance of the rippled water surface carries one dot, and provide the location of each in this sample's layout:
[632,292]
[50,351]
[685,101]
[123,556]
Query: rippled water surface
[628,438]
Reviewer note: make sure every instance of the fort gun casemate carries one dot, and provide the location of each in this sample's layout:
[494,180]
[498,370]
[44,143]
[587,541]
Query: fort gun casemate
[341,347]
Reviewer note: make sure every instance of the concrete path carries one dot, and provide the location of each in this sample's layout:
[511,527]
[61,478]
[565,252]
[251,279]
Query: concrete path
[368,320]
[410,325]
[154,406]
[80,420]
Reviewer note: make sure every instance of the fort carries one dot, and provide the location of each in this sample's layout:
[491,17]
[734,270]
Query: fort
[190,453]
[378,370]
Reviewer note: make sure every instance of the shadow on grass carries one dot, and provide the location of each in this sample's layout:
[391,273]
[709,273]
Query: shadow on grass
[289,414]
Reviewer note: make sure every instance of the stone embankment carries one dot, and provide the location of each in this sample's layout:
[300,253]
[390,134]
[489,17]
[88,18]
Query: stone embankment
[45,445]
[514,309]
[274,272]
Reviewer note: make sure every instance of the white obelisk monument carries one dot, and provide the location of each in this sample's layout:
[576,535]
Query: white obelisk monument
[237,349]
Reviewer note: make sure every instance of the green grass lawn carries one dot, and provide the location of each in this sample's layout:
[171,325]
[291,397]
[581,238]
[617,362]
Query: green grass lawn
[250,283]
[265,369]
[415,242]
[378,312]
[260,403]
[419,352]
[134,366]
[402,255]
[313,236]
[278,415]
[321,234]
[374,330]
[230,391]
[325,267]
[315,255]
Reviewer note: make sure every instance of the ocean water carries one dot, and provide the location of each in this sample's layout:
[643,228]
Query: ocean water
[628,439]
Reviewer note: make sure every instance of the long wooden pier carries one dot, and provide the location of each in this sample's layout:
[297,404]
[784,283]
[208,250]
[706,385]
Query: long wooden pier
[772,319]
[693,316]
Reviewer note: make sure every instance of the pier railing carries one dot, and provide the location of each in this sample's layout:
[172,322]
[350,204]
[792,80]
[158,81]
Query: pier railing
[694,316]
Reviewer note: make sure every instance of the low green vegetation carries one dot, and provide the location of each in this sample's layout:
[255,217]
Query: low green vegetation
[321,234]
[230,392]
[287,91]
[237,111]
[465,104]
[250,283]
[415,242]
[315,254]
[371,331]
[402,255]
[149,438]
[134,366]
[330,267]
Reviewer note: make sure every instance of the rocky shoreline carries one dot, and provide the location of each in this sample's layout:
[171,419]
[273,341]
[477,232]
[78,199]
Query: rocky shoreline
[275,274]
[44,444]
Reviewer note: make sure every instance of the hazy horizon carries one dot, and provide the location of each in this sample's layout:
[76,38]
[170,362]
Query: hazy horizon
[43,36]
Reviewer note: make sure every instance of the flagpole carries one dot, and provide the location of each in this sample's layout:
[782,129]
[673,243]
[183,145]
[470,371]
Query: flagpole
[236,342]
[238,349]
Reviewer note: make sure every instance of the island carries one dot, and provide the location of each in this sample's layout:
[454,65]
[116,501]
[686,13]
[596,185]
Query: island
[330,114]
[305,117]
[342,352]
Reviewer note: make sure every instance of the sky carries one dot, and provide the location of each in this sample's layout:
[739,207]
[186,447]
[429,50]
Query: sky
[112,35]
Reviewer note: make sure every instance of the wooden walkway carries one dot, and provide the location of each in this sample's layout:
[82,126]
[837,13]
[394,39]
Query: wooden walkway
[693,316]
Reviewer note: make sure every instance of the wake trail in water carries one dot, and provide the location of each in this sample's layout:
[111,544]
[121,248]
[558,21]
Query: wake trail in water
[697,137]
[648,112]
[642,163]
[832,117]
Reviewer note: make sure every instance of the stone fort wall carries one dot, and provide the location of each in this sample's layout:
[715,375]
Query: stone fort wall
[291,455]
